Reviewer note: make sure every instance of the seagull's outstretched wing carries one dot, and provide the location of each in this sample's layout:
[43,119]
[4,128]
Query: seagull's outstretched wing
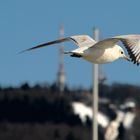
[131,43]
[79,40]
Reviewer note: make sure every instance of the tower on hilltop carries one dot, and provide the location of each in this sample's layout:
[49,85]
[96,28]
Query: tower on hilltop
[61,73]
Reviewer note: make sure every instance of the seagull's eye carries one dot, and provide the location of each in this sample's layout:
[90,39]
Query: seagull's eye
[121,52]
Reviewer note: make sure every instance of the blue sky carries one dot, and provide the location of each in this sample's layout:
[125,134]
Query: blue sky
[24,24]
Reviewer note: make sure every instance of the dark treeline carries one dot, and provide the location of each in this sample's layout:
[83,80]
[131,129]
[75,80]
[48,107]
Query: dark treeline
[42,112]
[115,92]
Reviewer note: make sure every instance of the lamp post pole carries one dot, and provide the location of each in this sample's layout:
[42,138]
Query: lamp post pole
[95,94]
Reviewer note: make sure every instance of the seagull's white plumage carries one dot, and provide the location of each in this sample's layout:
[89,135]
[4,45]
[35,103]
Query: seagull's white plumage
[103,51]
[131,43]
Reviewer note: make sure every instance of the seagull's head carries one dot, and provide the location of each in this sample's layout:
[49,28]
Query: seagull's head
[122,54]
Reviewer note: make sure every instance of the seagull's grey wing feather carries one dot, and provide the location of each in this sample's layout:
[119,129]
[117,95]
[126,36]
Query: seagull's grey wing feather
[50,43]
[132,44]
[79,40]
[84,40]
[109,42]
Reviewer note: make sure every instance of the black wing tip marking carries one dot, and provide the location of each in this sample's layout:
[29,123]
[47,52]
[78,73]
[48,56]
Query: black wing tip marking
[47,44]
[23,51]
[30,49]
[131,54]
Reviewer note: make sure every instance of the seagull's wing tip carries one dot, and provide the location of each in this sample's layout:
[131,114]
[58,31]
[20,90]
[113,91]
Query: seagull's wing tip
[20,52]
[24,51]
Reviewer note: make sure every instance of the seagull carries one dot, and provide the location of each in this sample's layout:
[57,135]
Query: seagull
[103,51]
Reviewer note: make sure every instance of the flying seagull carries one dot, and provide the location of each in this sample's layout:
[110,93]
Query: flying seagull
[101,52]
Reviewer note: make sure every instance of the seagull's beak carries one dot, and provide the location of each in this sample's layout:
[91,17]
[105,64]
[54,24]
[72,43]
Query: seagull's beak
[126,58]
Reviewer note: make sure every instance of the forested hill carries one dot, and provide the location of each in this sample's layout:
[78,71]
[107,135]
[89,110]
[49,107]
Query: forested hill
[115,92]
[40,103]
[42,111]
